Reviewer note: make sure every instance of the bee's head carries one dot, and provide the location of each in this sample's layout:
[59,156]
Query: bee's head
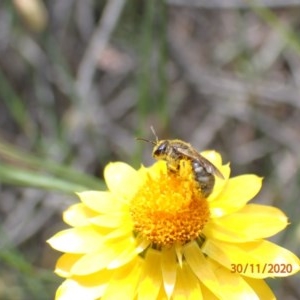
[160,150]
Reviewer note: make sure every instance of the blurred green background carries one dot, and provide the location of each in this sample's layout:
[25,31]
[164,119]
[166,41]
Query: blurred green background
[79,80]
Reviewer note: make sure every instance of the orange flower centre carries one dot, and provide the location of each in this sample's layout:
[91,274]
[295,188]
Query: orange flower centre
[169,209]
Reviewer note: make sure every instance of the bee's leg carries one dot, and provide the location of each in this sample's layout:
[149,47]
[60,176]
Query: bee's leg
[173,167]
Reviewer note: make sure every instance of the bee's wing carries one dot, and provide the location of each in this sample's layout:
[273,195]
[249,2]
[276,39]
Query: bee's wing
[193,154]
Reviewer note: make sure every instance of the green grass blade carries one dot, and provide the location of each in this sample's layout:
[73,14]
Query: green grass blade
[15,176]
[11,154]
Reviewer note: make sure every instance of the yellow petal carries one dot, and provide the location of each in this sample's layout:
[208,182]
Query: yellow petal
[179,254]
[102,202]
[126,254]
[216,159]
[199,265]
[187,285]
[213,250]
[260,259]
[232,285]
[207,294]
[219,280]
[141,244]
[93,262]
[111,220]
[162,295]
[110,255]
[213,156]
[168,267]
[84,287]
[151,281]
[122,179]
[238,191]
[261,288]
[65,263]
[78,215]
[220,183]
[120,232]
[123,283]
[155,170]
[252,222]
[76,240]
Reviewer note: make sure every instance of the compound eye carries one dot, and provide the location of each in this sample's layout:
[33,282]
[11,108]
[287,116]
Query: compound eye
[161,149]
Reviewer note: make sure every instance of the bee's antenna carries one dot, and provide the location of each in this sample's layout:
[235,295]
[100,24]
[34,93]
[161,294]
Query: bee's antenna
[145,140]
[154,133]
[152,142]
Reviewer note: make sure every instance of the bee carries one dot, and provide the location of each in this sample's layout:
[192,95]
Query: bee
[176,151]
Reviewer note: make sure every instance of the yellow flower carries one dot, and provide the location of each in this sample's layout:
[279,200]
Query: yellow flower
[153,236]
